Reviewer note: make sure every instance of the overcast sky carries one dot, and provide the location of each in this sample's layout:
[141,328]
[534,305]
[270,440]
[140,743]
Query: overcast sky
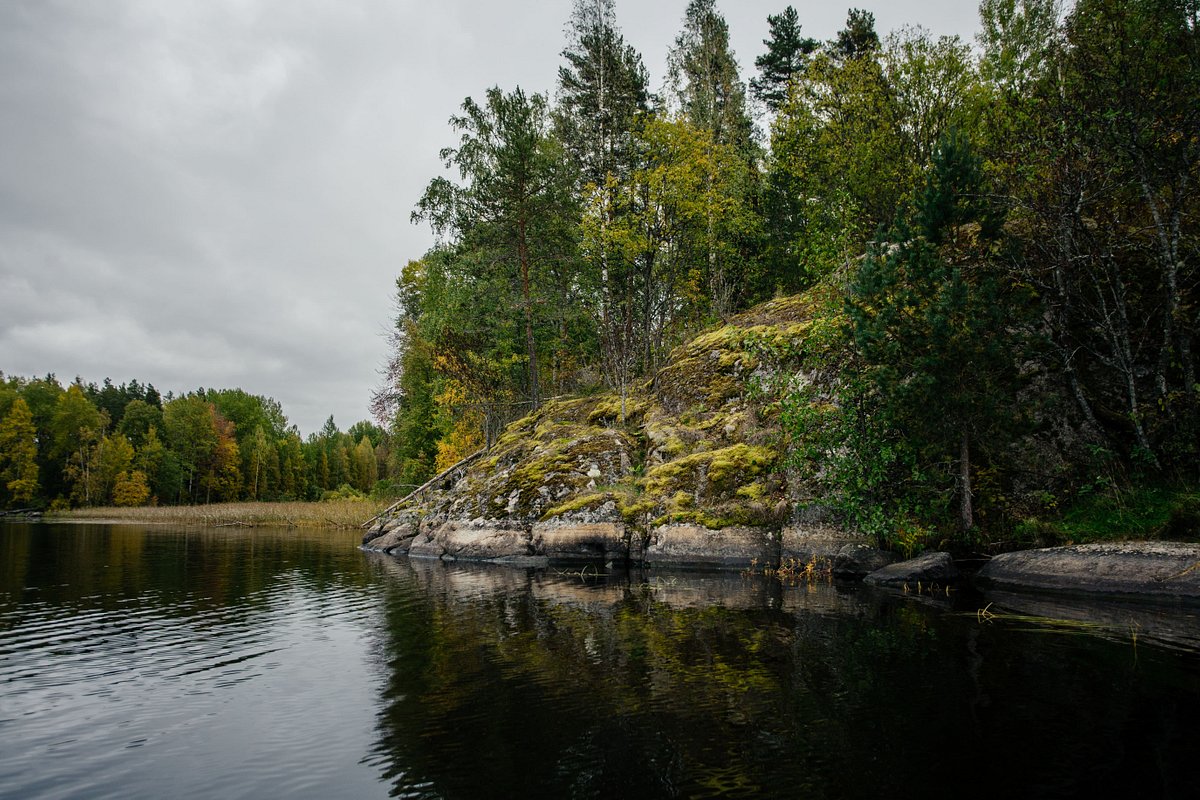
[217,192]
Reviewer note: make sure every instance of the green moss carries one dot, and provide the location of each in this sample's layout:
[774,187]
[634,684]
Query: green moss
[721,467]
[739,460]
[752,491]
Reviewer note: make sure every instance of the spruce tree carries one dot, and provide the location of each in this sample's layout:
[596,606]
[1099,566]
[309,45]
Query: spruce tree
[704,76]
[601,89]
[858,39]
[934,332]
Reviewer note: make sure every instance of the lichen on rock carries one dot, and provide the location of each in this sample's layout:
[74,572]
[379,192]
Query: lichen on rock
[698,445]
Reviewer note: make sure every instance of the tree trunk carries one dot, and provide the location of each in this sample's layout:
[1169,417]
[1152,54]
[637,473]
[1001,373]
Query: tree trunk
[966,514]
[531,349]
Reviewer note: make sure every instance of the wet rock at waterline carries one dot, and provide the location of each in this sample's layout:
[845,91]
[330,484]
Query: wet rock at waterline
[928,570]
[699,547]
[856,560]
[1146,569]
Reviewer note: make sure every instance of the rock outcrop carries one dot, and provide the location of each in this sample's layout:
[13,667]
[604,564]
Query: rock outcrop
[688,469]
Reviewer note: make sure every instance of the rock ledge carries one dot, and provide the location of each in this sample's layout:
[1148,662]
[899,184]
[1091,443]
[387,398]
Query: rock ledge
[1149,569]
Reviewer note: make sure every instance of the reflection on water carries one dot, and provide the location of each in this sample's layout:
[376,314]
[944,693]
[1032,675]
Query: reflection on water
[143,662]
[718,686]
[147,663]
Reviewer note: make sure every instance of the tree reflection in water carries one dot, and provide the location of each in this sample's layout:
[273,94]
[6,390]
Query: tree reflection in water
[506,682]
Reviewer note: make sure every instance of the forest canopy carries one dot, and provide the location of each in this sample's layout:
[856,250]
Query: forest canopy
[1010,226]
[127,445]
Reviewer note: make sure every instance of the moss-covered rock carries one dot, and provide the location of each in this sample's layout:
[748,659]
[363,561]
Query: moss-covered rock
[694,449]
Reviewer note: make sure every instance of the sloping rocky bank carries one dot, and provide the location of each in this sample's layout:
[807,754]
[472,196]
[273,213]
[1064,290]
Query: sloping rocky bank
[690,470]
[686,470]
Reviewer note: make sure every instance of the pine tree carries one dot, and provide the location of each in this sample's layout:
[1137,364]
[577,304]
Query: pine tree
[784,61]
[704,75]
[858,39]
[513,210]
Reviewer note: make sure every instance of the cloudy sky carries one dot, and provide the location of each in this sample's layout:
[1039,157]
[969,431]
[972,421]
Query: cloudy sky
[217,192]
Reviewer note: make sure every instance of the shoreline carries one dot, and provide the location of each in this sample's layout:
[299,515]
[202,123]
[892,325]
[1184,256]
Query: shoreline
[1154,571]
[336,514]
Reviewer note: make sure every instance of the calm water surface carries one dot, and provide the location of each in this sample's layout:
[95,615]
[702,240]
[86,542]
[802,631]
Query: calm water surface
[148,662]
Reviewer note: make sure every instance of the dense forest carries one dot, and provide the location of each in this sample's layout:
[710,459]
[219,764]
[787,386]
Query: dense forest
[126,445]
[1004,232]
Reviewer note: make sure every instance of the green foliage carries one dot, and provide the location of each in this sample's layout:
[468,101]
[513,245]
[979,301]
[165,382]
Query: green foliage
[343,492]
[18,454]
[784,60]
[204,446]
[512,212]
[934,330]
[1118,514]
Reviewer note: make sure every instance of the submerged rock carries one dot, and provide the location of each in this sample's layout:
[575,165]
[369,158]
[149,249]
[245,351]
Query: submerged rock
[928,570]
[1147,569]
[855,560]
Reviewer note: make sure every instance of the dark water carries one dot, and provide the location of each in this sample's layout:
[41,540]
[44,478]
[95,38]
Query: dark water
[147,663]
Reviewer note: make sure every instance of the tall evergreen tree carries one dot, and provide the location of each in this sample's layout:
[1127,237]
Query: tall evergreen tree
[858,39]
[704,77]
[514,206]
[712,99]
[933,329]
[602,88]
[602,91]
[784,60]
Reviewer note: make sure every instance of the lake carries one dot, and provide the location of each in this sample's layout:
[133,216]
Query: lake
[141,662]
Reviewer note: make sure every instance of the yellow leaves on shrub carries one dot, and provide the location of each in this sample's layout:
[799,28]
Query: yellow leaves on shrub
[131,489]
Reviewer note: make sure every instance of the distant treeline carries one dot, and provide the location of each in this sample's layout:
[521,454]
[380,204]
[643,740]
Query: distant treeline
[126,445]
[1009,231]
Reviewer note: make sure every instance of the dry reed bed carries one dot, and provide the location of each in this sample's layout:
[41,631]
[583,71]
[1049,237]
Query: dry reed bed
[329,514]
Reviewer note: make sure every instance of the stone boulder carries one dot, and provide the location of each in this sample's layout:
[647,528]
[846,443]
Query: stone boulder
[856,560]
[1148,569]
[396,542]
[928,570]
